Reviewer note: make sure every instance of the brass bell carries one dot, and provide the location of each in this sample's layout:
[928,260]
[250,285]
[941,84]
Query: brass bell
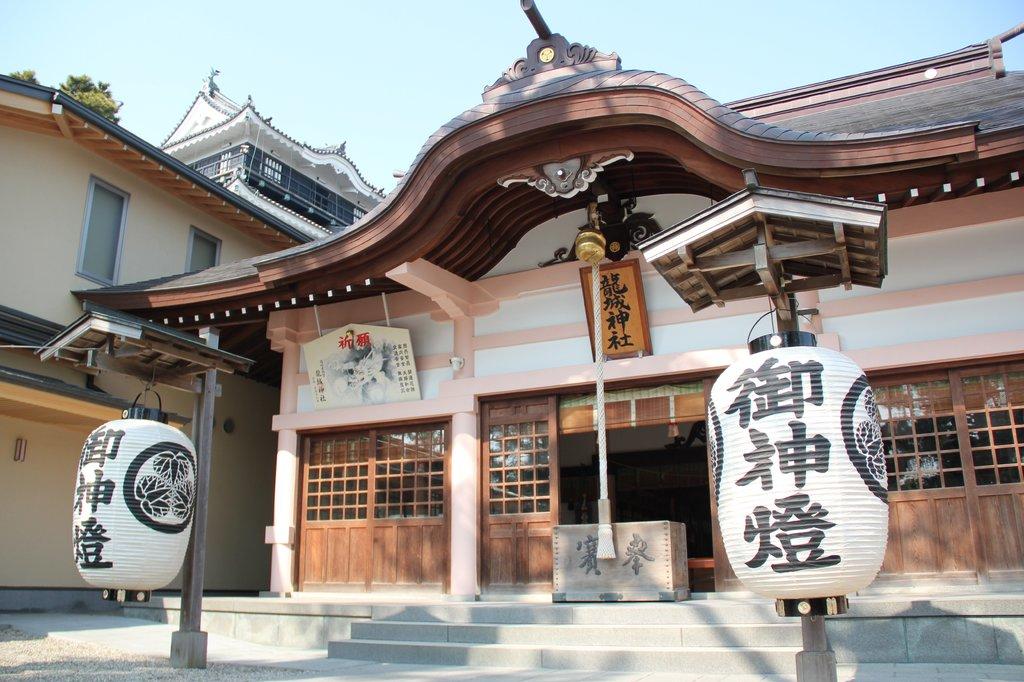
[590,245]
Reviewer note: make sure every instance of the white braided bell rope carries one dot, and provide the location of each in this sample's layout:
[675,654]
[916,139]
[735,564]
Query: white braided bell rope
[605,542]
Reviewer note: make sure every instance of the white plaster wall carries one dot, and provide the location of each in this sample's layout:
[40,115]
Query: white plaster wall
[531,356]
[930,322]
[303,398]
[948,256]
[659,295]
[544,309]
[429,337]
[430,381]
[721,332]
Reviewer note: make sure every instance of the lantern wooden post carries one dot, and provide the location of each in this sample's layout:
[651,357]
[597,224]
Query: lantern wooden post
[776,243]
[189,643]
[817,661]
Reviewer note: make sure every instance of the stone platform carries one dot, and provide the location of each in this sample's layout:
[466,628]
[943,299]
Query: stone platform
[720,634]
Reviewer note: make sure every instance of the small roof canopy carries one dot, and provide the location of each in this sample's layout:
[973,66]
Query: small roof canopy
[769,242]
[105,339]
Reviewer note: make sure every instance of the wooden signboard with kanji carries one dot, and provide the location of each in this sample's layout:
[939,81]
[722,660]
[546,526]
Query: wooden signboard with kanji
[625,330]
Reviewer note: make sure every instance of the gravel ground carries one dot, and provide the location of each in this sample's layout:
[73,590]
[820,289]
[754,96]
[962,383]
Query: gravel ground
[28,657]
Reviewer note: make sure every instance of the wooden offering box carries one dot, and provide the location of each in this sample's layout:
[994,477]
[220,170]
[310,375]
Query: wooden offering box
[650,563]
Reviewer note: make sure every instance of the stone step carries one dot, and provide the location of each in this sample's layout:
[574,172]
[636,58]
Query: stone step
[781,634]
[721,660]
[683,613]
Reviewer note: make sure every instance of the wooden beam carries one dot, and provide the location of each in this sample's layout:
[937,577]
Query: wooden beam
[803,249]
[945,191]
[705,282]
[813,283]
[62,121]
[913,196]
[30,125]
[100,360]
[724,261]
[1004,180]
[972,187]
[844,257]
[187,355]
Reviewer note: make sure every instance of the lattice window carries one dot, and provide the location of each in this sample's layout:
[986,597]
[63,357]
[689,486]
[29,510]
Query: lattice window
[337,479]
[519,472]
[272,169]
[995,419]
[409,474]
[922,449]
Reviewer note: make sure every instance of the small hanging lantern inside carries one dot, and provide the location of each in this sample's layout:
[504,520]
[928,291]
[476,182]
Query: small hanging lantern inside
[135,498]
[799,471]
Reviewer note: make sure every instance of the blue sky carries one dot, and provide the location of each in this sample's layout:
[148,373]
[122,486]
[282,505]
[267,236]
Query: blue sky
[383,75]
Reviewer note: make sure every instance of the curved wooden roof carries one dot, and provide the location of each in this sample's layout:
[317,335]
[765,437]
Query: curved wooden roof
[449,209]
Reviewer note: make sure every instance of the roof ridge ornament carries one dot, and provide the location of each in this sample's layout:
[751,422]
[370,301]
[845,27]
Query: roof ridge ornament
[212,87]
[549,55]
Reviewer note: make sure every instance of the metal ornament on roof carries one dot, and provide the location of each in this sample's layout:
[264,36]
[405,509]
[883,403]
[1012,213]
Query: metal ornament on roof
[799,473]
[568,177]
[135,498]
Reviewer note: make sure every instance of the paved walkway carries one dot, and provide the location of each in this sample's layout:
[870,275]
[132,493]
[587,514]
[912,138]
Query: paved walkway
[145,638]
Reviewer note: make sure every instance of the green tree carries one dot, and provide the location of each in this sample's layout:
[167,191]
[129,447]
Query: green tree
[95,95]
[28,75]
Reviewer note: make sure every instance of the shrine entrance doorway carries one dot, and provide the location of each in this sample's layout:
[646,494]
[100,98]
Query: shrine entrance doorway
[657,465]
[374,510]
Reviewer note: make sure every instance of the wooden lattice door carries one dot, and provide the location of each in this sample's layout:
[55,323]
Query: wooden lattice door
[520,494]
[374,510]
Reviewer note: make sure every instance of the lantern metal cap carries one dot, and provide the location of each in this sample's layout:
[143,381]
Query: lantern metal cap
[782,339]
[142,412]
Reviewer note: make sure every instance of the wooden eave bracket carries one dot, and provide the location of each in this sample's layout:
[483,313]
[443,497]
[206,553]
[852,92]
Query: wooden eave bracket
[456,296]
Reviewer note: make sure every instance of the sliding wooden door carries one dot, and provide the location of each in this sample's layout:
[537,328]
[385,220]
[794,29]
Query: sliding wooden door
[520,494]
[374,510]
[954,441]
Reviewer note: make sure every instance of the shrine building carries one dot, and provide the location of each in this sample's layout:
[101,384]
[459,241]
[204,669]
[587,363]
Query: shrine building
[447,475]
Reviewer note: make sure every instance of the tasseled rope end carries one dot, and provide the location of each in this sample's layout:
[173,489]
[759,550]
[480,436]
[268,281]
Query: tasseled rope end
[605,538]
[605,542]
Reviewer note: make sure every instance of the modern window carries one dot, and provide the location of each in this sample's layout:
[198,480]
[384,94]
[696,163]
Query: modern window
[106,209]
[203,251]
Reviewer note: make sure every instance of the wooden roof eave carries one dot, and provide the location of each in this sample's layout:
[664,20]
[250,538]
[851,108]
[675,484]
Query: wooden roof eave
[736,147]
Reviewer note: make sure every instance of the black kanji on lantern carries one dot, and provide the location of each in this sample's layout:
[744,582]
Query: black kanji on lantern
[802,454]
[799,526]
[776,389]
[90,538]
[100,446]
[93,493]
[761,458]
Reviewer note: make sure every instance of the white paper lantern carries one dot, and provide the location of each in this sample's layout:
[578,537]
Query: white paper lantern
[134,501]
[799,473]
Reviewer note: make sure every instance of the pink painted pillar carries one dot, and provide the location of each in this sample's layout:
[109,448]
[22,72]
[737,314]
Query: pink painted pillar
[465,512]
[463,331]
[281,535]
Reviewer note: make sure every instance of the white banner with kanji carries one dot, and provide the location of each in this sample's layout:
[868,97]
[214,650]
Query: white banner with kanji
[361,364]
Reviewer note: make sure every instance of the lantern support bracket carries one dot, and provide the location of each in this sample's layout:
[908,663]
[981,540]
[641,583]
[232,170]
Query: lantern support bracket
[816,662]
